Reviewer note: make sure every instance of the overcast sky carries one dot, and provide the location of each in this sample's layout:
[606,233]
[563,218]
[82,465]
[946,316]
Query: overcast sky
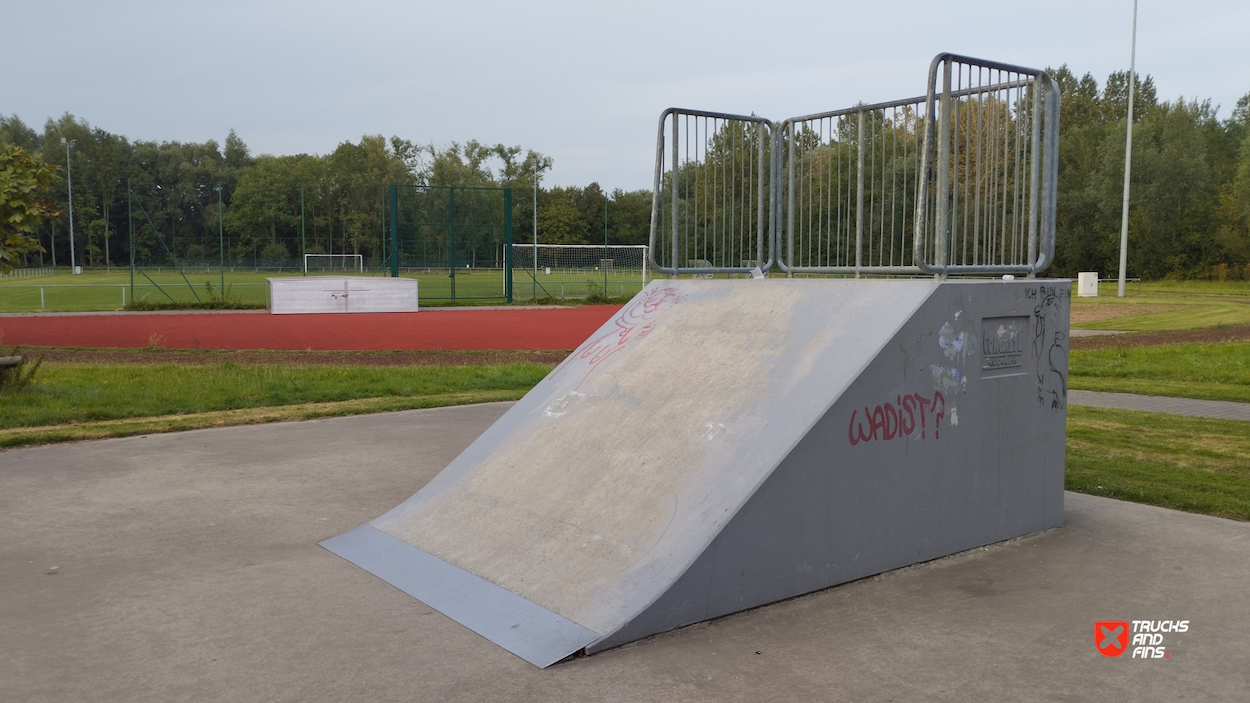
[582,82]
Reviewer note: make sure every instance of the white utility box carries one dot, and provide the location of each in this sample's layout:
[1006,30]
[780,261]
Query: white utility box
[326,294]
[1087,284]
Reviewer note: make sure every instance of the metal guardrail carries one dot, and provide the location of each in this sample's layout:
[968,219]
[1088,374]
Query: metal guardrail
[990,170]
[851,188]
[961,180]
[711,200]
[59,288]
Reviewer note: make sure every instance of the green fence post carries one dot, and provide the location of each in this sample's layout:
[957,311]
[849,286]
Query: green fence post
[130,224]
[507,249]
[394,231]
[303,242]
[451,241]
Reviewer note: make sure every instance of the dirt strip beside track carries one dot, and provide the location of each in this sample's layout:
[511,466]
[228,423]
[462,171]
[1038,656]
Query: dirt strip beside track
[251,357]
[1151,339]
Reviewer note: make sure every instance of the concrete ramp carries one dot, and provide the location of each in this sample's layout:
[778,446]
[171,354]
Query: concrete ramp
[725,444]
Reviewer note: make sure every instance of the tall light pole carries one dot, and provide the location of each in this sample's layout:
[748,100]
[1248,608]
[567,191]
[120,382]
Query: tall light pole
[69,174]
[1128,155]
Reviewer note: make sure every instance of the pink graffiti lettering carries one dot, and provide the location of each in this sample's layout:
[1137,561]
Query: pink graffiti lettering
[898,419]
[635,321]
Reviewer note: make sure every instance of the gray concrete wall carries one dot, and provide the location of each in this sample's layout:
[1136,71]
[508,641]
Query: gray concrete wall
[987,467]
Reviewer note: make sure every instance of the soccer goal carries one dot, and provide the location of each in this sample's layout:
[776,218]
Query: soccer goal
[334,263]
[578,270]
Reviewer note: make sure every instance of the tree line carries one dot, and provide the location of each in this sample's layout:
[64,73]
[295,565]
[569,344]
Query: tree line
[1189,215]
[187,201]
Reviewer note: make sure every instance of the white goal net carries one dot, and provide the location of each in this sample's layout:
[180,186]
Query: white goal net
[560,271]
[334,263]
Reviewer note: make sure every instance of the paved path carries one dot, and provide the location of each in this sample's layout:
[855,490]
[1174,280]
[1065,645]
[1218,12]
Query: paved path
[1218,409]
[185,567]
[1092,333]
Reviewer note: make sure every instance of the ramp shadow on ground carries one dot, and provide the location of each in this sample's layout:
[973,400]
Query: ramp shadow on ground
[186,567]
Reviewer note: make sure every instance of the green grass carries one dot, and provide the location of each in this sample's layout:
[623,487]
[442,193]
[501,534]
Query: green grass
[71,393]
[1205,305]
[1207,371]
[1196,315]
[100,429]
[101,290]
[1190,288]
[1184,463]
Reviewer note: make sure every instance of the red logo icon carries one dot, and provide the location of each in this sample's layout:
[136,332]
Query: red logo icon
[1111,637]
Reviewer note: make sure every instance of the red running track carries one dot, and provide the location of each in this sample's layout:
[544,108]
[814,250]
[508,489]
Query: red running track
[461,329]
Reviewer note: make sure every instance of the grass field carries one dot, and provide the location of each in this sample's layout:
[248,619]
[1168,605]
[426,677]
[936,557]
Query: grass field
[1185,463]
[80,401]
[97,290]
[1207,371]
[1165,305]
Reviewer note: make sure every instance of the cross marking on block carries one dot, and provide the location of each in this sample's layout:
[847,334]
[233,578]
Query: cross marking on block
[334,292]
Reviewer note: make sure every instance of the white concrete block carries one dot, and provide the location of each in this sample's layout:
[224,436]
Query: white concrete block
[325,294]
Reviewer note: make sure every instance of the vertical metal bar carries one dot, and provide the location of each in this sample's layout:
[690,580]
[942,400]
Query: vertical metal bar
[876,186]
[790,206]
[859,198]
[303,243]
[534,274]
[451,240]
[1018,248]
[980,195]
[130,225]
[1003,226]
[691,221]
[604,263]
[943,168]
[394,232]
[507,250]
[705,171]
[1034,182]
[952,253]
[676,171]
[759,215]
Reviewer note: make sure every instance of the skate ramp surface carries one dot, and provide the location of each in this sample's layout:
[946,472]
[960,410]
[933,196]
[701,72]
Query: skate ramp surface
[596,509]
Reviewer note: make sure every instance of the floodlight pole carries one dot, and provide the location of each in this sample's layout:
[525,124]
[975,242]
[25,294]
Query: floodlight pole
[221,242]
[69,174]
[1128,156]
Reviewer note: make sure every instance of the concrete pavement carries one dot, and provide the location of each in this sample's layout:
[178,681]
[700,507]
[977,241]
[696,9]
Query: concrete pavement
[1216,409]
[186,567]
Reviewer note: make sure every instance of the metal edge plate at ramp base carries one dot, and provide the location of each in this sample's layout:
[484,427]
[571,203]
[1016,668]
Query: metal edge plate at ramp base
[529,631]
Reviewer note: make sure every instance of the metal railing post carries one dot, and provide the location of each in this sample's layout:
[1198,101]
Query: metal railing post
[759,215]
[859,197]
[790,205]
[943,171]
[675,170]
[1034,168]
